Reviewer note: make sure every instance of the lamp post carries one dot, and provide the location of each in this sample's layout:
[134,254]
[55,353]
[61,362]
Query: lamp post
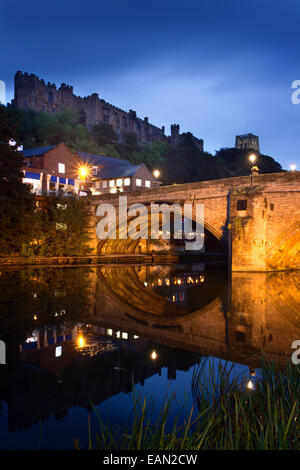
[293,167]
[254,169]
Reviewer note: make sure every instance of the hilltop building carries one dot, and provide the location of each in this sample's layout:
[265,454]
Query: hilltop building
[176,138]
[34,93]
[247,141]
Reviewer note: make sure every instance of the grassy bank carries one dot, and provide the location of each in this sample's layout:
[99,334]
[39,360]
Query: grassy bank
[226,415]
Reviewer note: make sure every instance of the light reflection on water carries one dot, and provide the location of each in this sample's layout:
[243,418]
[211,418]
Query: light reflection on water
[79,334]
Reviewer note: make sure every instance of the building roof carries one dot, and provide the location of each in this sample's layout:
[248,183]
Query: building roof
[118,171]
[91,158]
[35,152]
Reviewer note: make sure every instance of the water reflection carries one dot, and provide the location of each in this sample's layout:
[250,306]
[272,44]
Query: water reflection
[80,334]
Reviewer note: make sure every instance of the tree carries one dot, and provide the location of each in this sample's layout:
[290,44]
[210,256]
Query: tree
[17,205]
[64,227]
[237,161]
[104,134]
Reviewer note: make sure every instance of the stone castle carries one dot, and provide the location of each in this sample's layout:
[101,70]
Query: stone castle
[247,141]
[34,93]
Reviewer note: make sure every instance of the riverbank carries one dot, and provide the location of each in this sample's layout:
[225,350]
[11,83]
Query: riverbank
[109,259]
[230,412]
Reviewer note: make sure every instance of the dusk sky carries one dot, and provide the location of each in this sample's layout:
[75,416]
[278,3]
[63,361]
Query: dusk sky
[218,68]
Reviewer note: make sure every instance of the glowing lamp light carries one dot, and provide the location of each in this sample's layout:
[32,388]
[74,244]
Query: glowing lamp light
[250,385]
[293,167]
[156,173]
[82,171]
[81,341]
[252,157]
[153,355]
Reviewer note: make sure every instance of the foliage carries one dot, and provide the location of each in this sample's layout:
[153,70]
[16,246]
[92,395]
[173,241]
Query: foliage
[64,227]
[17,216]
[226,415]
[178,164]
[104,134]
[237,162]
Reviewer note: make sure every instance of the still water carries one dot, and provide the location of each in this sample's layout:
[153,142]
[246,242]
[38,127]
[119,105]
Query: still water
[82,335]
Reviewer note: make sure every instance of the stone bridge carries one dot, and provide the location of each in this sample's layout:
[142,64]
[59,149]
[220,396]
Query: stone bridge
[256,219]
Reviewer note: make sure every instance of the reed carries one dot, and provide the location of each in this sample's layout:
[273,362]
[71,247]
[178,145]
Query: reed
[226,414]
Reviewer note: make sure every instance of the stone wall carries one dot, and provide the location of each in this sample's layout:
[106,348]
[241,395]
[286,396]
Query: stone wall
[264,235]
[34,93]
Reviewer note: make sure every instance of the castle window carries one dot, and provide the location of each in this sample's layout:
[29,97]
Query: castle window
[138,182]
[50,97]
[119,182]
[104,184]
[242,205]
[147,184]
[127,182]
[111,183]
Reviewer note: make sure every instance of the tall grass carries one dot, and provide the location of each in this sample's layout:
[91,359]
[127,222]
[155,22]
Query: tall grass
[226,415]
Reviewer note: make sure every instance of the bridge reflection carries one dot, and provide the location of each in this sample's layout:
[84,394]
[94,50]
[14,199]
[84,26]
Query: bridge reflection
[95,331]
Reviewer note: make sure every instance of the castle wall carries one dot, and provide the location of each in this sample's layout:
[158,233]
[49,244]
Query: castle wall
[34,93]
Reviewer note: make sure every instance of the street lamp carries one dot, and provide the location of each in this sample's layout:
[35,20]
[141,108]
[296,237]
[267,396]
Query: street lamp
[156,173]
[293,167]
[254,169]
[252,158]
[83,173]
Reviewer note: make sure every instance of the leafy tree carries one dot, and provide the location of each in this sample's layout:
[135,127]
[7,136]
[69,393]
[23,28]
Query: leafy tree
[64,227]
[104,134]
[17,205]
[237,161]
[151,154]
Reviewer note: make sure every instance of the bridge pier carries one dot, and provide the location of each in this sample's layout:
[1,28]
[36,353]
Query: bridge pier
[248,226]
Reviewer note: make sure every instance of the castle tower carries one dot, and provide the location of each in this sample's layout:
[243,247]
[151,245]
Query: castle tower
[247,141]
[175,128]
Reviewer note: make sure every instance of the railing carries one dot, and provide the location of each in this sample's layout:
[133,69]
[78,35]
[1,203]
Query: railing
[59,193]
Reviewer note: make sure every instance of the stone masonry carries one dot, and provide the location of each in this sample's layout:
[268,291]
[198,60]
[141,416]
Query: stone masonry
[257,221]
[34,93]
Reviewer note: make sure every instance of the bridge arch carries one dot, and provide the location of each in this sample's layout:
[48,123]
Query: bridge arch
[120,243]
[284,253]
[145,302]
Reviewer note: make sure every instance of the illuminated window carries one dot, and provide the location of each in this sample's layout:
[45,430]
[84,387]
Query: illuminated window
[138,182]
[104,184]
[58,351]
[111,183]
[147,184]
[118,334]
[125,335]
[61,168]
[119,182]
[127,182]
[109,332]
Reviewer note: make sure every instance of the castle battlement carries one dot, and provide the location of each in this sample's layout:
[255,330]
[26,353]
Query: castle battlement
[34,93]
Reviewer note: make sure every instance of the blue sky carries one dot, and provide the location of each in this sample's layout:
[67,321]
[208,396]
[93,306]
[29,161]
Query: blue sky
[218,68]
